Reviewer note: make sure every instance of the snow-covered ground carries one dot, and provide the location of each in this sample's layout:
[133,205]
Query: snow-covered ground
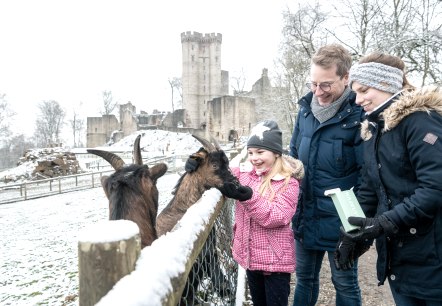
[39,252]
[39,255]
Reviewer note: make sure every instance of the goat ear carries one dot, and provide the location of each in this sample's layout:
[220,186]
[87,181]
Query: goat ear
[158,171]
[200,155]
[104,180]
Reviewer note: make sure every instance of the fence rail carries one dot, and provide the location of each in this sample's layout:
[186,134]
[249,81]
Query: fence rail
[10,193]
[35,189]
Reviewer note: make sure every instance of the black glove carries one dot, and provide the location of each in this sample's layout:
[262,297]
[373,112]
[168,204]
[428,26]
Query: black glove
[360,248]
[344,253]
[237,192]
[191,165]
[371,228]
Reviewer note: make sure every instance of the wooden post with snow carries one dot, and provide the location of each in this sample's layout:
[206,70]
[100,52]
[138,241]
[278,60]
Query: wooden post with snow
[107,251]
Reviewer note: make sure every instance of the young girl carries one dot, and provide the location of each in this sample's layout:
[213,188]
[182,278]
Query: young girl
[263,241]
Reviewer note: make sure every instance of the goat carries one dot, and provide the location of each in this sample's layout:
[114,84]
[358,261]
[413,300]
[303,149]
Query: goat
[212,171]
[132,191]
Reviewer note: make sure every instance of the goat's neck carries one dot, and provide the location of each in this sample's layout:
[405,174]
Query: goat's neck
[187,193]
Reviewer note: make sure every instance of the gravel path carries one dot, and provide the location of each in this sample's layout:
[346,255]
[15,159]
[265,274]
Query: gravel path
[372,294]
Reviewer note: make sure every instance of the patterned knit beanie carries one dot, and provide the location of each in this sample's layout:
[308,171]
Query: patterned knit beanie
[376,75]
[266,135]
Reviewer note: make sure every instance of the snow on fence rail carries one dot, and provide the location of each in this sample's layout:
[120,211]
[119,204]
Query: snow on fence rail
[45,187]
[197,251]
[35,189]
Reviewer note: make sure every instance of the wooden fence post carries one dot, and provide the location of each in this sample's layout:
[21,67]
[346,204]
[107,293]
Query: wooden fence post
[107,251]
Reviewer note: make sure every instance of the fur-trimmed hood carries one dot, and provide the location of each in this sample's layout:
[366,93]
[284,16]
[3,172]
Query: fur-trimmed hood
[425,99]
[296,165]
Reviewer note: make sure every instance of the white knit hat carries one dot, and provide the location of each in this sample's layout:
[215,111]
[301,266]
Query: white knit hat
[383,77]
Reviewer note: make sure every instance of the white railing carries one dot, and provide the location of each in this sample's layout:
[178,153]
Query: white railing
[35,189]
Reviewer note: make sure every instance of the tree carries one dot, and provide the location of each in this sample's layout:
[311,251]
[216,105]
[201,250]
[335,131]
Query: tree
[302,33]
[6,115]
[49,123]
[108,102]
[77,126]
[13,149]
[175,86]
[406,28]
[238,82]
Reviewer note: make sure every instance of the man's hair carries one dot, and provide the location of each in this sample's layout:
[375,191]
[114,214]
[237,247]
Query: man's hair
[333,54]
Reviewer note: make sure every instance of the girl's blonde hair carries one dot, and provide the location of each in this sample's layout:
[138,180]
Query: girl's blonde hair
[279,167]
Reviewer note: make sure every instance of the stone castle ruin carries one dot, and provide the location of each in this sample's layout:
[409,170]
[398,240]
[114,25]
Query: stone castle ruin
[207,105]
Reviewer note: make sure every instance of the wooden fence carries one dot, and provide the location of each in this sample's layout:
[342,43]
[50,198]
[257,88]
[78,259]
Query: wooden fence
[163,268]
[45,187]
[35,189]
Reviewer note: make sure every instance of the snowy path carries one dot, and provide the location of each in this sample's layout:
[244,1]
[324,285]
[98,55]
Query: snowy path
[39,256]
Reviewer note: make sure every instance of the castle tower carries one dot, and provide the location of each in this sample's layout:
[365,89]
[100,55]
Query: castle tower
[202,78]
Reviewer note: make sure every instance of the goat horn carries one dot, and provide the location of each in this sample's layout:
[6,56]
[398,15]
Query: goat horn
[215,142]
[138,160]
[206,144]
[116,161]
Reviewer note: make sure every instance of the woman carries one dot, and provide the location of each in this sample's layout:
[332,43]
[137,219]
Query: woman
[401,192]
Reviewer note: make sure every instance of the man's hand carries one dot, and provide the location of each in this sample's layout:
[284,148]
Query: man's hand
[344,253]
[370,228]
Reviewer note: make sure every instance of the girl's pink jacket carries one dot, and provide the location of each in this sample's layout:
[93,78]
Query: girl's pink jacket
[262,235]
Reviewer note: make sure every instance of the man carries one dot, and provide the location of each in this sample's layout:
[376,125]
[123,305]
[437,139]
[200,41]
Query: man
[327,140]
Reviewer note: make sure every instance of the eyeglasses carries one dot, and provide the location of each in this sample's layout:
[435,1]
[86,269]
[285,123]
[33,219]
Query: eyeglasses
[325,87]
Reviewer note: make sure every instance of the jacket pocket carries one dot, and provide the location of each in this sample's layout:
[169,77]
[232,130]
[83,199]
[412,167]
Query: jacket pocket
[344,157]
[418,246]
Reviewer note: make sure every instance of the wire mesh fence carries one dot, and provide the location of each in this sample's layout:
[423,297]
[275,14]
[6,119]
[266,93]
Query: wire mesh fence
[214,275]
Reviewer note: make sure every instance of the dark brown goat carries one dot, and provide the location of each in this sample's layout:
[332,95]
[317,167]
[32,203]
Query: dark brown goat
[213,171]
[132,191]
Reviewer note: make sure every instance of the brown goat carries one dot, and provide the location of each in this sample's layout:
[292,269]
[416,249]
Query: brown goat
[132,191]
[213,171]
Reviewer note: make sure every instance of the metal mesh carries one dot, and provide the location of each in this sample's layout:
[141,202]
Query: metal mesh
[213,278]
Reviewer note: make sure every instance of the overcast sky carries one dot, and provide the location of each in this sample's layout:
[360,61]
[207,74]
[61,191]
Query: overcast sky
[71,51]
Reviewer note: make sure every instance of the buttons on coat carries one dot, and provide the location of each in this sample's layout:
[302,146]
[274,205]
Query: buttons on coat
[392,277]
[413,230]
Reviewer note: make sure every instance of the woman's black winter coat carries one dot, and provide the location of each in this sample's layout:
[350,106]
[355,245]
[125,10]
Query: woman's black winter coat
[403,180]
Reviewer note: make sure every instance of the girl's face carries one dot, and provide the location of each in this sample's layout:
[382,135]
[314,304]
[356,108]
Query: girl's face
[261,159]
[368,97]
